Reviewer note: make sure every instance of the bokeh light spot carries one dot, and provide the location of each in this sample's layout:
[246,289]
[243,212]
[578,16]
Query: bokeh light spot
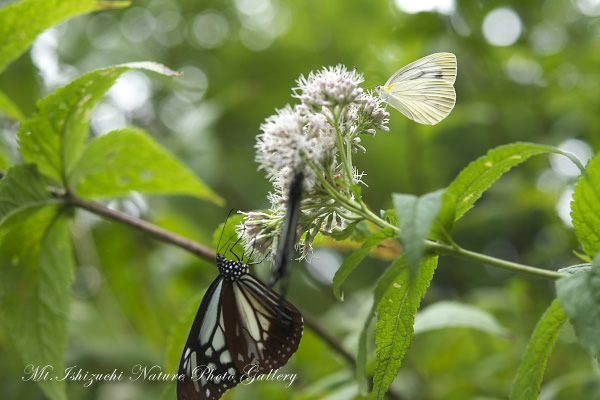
[102,31]
[137,24]
[548,38]
[589,7]
[209,29]
[502,27]
[563,207]
[131,91]
[192,84]
[416,6]
[524,71]
[565,167]
[324,264]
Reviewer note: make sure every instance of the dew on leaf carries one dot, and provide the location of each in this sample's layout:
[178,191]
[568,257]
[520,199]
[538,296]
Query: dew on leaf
[111,156]
[146,175]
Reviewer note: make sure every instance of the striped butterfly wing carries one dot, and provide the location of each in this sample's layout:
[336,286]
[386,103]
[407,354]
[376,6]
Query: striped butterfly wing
[206,364]
[242,328]
[423,90]
[267,329]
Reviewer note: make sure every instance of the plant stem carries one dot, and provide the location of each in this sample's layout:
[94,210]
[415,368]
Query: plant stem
[444,249]
[153,230]
[457,251]
[347,163]
[333,192]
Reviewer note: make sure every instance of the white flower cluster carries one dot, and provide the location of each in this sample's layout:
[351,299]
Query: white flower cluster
[328,87]
[310,137]
[289,139]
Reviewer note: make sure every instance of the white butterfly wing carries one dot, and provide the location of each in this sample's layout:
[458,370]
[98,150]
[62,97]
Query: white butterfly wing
[423,90]
[426,101]
[440,66]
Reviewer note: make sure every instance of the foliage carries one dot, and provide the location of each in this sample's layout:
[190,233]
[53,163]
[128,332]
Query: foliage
[355,258]
[77,290]
[531,371]
[586,209]
[395,320]
[579,295]
[448,314]
[415,218]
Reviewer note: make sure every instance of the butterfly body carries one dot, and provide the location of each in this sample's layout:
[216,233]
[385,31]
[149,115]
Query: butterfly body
[242,329]
[424,89]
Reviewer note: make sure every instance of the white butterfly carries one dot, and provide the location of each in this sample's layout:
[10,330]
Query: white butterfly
[423,90]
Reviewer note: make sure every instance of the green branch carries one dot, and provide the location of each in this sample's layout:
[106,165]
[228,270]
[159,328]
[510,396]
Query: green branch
[443,249]
[457,251]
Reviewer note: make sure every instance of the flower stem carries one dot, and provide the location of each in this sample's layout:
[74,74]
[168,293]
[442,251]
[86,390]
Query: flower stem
[333,192]
[346,162]
[444,249]
[457,251]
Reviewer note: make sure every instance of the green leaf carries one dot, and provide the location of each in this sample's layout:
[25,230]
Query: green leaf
[344,233]
[4,163]
[8,107]
[531,371]
[583,257]
[579,295]
[37,264]
[53,137]
[386,280]
[107,168]
[22,187]
[355,258]
[395,319]
[357,190]
[415,219]
[450,314]
[389,215]
[575,269]
[585,208]
[479,175]
[445,219]
[21,22]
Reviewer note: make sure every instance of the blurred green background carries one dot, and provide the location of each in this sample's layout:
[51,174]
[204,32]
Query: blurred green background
[527,71]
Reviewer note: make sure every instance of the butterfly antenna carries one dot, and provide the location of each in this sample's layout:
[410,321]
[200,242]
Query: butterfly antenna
[235,244]
[223,230]
[251,252]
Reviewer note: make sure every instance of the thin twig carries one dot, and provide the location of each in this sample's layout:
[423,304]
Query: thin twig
[330,340]
[444,249]
[153,230]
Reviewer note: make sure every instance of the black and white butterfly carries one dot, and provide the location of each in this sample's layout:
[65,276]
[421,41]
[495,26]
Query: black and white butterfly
[242,327]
